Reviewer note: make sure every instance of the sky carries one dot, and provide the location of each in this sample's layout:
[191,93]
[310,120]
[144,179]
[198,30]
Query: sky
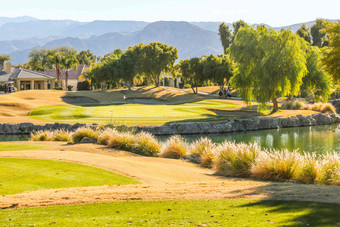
[271,12]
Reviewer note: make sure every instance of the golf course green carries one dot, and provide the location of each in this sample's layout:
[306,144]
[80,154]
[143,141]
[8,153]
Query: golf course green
[130,114]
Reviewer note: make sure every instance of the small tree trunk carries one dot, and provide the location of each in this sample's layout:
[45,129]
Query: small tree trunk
[66,79]
[289,97]
[275,105]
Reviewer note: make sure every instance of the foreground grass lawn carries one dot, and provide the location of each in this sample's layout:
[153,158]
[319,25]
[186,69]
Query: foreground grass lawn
[130,114]
[187,213]
[20,175]
[21,146]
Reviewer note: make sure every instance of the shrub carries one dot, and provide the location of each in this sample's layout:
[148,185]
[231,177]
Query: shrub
[69,87]
[82,132]
[62,135]
[319,107]
[146,144]
[105,136]
[292,105]
[83,86]
[308,170]
[235,159]
[187,86]
[326,107]
[176,147]
[205,148]
[276,165]
[330,170]
[121,140]
[42,136]
[58,88]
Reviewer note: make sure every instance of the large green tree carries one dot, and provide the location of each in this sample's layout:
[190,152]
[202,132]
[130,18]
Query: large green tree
[69,62]
[86,57]
[225,36]
[3,58]
[155,58]
[192,71]
[331,59]
[218,69]
[316,83]
[39,60]
[318,33]
[269,64]
[304,32]
[236,26]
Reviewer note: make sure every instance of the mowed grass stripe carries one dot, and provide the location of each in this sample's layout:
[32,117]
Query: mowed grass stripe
[21,146]
[179,213]
[20,175]
[130,113]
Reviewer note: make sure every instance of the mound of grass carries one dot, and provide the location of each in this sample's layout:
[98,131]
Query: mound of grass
[20,175]
[21,146]
[82,132]
[179,213]
[130,114]
[175,147]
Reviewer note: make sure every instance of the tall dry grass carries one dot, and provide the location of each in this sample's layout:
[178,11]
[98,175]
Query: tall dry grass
[235,159]
[205,148]
[42,136]
[298,105]
[82,132]
[330,170]
[175,147]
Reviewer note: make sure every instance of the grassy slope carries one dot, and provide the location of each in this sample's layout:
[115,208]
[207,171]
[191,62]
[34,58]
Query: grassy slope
[130,113]
[187,213]
[21,146]
[20,175]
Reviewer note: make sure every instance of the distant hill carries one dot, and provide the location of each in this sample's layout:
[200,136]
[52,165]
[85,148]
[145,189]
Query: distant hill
[19,35]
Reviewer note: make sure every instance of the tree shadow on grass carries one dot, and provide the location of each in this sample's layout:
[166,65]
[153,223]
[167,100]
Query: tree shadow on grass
[318,205]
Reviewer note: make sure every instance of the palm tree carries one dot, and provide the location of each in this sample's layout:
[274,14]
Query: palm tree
[56,59]
[69,61]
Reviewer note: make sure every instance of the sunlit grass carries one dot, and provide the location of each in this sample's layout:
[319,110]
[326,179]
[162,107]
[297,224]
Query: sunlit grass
[21,146]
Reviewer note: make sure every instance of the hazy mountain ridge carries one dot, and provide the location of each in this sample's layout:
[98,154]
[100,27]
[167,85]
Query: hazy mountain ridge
[191,39]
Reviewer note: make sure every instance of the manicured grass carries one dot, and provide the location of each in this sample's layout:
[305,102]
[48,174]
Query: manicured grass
[130,114]
[21,146]
[187,213]
[20,175]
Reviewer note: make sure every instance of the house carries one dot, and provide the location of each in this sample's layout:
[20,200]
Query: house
[25,79]
[73,76]
[168,80]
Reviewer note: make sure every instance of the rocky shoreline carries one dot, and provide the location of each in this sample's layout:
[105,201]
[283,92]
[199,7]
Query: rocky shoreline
[237,125]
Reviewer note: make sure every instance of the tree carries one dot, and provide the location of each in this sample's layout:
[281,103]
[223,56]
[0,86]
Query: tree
[38,59]
[318,33]
[236,26]
[127,67]
[192,71]
[304,32]
[155,58]
[218,69]
[3,58]
[225,36]
[316,82]
[269,64]
[331,59]
[69,61]
[86,57]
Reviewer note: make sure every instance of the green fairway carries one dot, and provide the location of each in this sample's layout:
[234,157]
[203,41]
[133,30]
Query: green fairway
[178,213]
[21,146]
[20,175]
[130,114]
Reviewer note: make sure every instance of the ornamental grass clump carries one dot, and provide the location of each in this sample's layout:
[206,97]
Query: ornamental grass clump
[176,147]
[292,105]
[145,143]
[42,136]
[235,159]
[330,170]
[278,165]
[62,135]
[327,107]
[121,140]
[205,148]
[308,169]
[105,135]
[82,132]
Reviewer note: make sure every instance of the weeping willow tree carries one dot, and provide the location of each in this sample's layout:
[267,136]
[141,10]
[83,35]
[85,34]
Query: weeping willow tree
[270,64]
[316,83]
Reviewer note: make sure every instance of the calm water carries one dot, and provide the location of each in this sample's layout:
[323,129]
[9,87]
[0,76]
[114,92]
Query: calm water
[318,139]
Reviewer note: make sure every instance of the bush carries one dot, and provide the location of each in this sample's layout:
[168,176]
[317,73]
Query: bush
[62,135]
[105,136]
[308,170]
[187,86]
[42,136]
[276,165]
[176,147]
[327,107]
[121,140]
[83,86]
[205,148]
[235,159]
[292,105]
[330,170]
[58,88]
[69,87]
[146,144]
[319,107]
[82,132]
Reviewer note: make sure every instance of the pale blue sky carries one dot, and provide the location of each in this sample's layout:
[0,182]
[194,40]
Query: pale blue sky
[272,12]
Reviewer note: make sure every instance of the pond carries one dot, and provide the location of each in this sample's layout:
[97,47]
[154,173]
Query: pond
[14,138]
[319,139]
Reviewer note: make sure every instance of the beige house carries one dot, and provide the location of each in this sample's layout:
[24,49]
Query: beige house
[25,79]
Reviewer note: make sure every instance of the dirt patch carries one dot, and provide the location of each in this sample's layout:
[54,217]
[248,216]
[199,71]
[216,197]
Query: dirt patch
[163,179]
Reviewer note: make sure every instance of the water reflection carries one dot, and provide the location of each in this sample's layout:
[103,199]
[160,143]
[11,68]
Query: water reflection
[14,138]
[318,139]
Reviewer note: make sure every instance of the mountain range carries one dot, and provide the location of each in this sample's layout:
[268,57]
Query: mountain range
[19,35]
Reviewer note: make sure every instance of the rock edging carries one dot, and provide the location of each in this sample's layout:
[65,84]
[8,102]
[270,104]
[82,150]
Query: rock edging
[237,125]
